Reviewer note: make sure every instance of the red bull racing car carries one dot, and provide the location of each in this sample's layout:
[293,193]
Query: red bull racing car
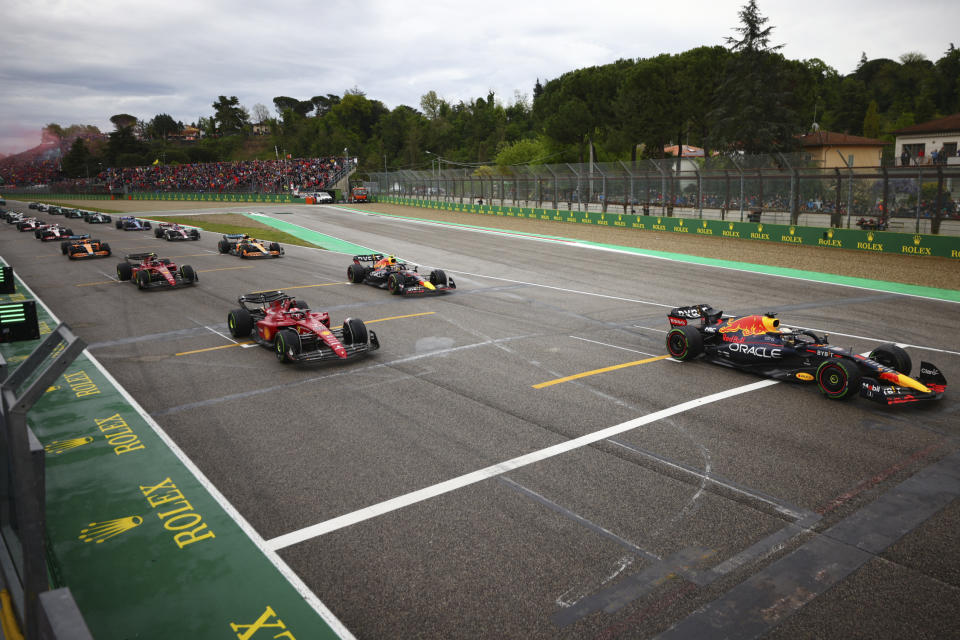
[760,344]
[397,276]
[295,333]
[147,270]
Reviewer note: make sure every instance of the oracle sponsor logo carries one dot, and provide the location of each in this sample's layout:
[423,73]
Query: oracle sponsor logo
[753,350]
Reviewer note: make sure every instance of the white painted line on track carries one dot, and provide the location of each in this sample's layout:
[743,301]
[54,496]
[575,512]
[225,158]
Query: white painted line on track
[309,597]
[577,291]
[613,346]
[225,337]
[387,506]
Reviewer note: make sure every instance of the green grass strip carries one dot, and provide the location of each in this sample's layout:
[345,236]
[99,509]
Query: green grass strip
[315,238]
[949,295]
[259,231]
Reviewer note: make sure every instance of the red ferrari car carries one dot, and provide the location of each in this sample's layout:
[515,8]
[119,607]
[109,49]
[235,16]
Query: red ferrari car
[147,270]
[295,333]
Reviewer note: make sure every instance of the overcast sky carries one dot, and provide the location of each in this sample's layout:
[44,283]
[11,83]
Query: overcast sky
[81,61]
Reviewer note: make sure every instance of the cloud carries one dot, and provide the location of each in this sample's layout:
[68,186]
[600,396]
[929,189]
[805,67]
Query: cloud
[80,63]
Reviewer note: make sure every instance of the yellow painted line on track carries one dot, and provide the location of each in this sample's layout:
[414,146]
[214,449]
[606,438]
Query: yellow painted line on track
[222,269]
[412,315]
[240,344]
[223,346]
[585,374]
[303,286]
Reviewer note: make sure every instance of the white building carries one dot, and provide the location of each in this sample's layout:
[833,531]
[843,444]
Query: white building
[921,140]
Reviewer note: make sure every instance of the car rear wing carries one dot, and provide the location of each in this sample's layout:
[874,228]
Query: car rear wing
[139,257]
[262,297]
[698,314]
[233,236]
[82,236]
[373,257]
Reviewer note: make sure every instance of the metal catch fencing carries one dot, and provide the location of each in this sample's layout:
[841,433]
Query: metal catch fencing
[783,188]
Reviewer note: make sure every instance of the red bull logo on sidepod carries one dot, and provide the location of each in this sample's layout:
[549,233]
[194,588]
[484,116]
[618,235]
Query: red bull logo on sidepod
[751,325]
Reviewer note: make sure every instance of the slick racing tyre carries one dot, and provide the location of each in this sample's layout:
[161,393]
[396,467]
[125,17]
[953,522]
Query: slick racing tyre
[287,344]
[438,278]
[240,323]
[223,246]
[355,274]
[158,232]
[143,280]
[105,247]
[395,283]
[354,331]
[890,355]
[188,274]
[684,343]
[838,379]
[124,271]
[64,247]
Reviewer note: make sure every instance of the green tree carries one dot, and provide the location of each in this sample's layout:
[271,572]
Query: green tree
[525,151]
[871,121]
[75,163]
[123,120]
[229,116]
[756,106]
[163,125]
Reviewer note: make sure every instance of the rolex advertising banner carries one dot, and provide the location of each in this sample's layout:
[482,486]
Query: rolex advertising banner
[875,241]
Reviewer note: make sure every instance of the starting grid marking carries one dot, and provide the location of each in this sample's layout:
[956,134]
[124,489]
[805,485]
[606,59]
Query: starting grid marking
[427,493]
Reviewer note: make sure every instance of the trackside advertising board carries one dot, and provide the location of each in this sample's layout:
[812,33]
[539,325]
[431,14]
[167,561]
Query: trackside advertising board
[147,546]
[911,244]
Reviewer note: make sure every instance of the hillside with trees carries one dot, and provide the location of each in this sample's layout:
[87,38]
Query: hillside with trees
[743,95]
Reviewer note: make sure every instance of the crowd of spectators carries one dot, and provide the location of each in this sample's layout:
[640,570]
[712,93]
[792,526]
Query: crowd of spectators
[40,165]
[246,176]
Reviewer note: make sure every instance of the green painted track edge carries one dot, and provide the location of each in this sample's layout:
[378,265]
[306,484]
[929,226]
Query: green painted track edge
[947,295]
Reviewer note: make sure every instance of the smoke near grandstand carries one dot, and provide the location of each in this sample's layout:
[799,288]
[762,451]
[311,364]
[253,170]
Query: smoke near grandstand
[87,87]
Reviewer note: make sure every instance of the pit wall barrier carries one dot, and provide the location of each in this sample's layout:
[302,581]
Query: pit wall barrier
[873,241]
[283,198]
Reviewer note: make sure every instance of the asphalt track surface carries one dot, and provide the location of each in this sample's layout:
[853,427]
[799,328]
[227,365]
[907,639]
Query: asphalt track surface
[439,489]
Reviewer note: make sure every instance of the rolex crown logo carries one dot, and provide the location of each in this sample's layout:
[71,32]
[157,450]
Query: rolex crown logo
[917,239]
[704,224]
[730,226]
[102,531]
[793,230]
[829,233]
[659,220]
[870,237]
[680,222]
[59,446]
[759,228]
